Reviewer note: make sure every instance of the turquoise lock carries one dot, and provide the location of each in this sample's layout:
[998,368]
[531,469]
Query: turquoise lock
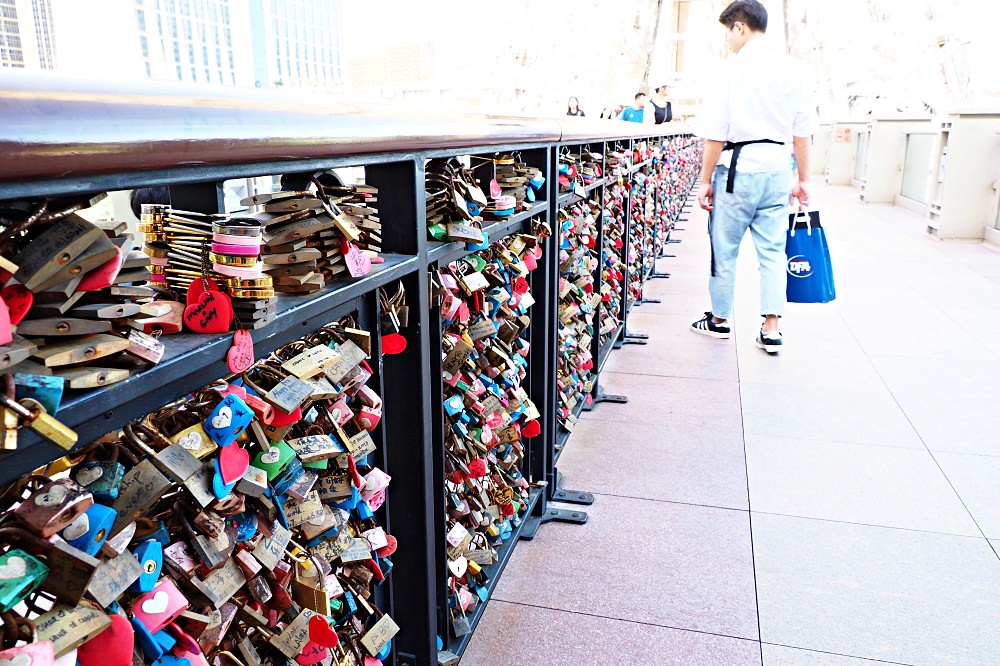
[46,390]
[20,575]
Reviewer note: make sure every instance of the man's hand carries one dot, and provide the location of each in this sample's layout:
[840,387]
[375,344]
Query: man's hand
[705,193]
[800,196]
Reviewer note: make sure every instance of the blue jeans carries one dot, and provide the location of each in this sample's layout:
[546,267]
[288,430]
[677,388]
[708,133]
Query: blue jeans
[760,202]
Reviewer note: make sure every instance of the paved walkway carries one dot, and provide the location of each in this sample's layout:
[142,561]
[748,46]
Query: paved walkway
[831,505]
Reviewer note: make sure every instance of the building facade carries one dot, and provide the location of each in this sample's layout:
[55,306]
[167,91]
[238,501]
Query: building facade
[27,34]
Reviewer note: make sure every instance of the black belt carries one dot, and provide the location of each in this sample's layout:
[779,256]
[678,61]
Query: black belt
[736,147]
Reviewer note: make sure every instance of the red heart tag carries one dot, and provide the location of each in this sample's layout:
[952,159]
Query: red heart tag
[495,190]
[233,463]
[457,476]
[312,654]
[389,548]
[19,300]
[477,468]
[507,509]
[520,286]
[394,343]
[589,241]
[104,275]
[531,429]
[321,633]
[618,243]
[211,312]
[358,263]
[240,355]
[6,333]
[198,287]
[280,419]
[111,647]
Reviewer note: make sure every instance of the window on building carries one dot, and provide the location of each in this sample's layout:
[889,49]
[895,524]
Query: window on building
[141,19]
[172,22]
[149,71]
[144,45]
[180,73]
[194,74]
[191,54]
[204,55]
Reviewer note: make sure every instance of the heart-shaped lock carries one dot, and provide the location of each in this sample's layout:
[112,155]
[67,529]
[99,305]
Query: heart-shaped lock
[393,343]
[358,263]
[220,488]
[458,566]
[240,356]
[531,429]
[321,633]
[41,653]
[19,300]
[111,647]
[312,654]
[477,468]
[233,463]
[210,312]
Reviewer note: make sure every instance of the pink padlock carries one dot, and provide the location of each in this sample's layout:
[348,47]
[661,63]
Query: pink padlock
[369,417]
[160,607]
[41,653]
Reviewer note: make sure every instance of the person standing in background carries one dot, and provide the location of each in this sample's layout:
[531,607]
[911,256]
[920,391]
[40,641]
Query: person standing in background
[636,112]
[759,108]
[573,108]
[663,112]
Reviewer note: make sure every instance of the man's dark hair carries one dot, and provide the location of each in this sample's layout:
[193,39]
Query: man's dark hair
[748,12]
[148,195]
[639,94]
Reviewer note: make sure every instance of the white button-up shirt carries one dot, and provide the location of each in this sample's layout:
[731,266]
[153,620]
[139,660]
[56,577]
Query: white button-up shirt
[762,95]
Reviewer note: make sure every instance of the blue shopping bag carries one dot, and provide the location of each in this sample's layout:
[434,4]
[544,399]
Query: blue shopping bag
[810,273]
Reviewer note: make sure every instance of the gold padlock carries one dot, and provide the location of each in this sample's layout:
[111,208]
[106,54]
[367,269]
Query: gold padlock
[32,414]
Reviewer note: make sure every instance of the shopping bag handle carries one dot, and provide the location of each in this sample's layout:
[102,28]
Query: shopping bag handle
[803,211]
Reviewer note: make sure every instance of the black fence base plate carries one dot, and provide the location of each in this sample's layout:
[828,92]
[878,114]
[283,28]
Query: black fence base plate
[648,300]
[573,497]
[605,397]
[532,524]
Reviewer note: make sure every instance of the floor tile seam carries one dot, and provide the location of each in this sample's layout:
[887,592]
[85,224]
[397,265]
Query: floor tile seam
[628,620]
[929,451]
[666,501]
[746,472]
[863,524]
[836,654]
[646,374]
[671,376]
[749,433]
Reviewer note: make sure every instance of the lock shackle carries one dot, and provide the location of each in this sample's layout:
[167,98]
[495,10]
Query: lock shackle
[15,624]
[15,492]
[134,433]
[224,653]
[31,542]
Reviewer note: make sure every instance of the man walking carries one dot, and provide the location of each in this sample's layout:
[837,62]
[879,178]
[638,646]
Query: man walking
[637,112]
[761,106]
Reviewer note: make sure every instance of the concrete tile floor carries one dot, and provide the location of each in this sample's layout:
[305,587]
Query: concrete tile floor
[827,506]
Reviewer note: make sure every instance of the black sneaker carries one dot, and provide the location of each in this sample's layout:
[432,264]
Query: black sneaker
[771,342]
[706,326]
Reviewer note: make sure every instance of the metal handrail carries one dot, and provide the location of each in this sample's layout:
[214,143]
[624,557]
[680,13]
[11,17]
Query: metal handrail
[57,127]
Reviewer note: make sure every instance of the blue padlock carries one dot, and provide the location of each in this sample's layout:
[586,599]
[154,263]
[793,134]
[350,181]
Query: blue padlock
[246,525]
[349,503]
[146,641]
[90,529]
[364,511]
[43,388]
[150,556]
[285,479]
[229,418]
[220,488]
[454,405]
